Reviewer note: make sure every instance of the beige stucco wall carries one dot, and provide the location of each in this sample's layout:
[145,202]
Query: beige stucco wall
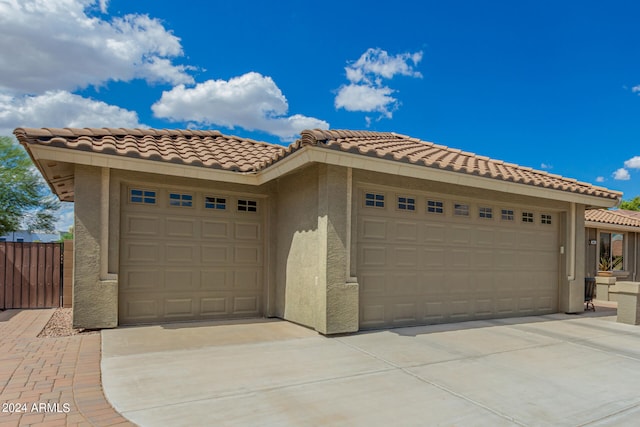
[298,248]
[312,250]
[95,302]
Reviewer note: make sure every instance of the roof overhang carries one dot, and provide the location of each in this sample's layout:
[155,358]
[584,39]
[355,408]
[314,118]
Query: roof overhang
[612,227]
[56,165]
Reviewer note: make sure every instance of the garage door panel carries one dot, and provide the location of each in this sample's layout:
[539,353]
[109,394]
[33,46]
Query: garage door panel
[212,306]
[246,305]
[435,311]
[438,268]
[405,257]
[180,253]
[404,312]
[374,229]
[433,258]
[373,256]
[458,234]
[459,258]
[178,308]
[180,227]
[141,309]
[403,283]
[189,263]
[434,233]
[180,280]
[247,255]
[406,231]
[140,279]
[372,282]
[216,280]
[247,279]
[215,254]
[142,252]
[141,225]
[372,315]
[247,231]
[215,229]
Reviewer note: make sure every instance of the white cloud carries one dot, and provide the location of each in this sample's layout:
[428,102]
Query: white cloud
[621,175]
[366,91]
[633,163]
[61,109]
[366,98]
[65,216]
[546,166]
[250,101]
[635,89]
[60,45]
[600,179]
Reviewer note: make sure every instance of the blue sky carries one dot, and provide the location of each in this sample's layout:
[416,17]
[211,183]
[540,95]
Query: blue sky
[548,84]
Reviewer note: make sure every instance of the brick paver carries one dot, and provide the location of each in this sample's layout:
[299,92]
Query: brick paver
[50,381]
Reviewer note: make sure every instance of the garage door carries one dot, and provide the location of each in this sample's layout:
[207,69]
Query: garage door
[424,260]
[189,256]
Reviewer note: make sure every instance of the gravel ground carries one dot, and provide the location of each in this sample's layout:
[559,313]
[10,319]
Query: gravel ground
[60,325]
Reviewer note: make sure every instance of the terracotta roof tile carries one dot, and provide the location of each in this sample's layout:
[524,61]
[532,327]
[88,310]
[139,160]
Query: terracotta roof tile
[615,217]
[414,151]
[195,148]
[211,149]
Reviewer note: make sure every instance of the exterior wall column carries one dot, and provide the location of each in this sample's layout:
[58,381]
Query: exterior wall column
[341,292]
[572,285]
[95,292]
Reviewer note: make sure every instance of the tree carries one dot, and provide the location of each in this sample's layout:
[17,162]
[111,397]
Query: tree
[25,200]
[631,205]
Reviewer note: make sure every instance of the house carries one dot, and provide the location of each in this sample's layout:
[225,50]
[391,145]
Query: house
[30,236]
[341,231]
[612,242]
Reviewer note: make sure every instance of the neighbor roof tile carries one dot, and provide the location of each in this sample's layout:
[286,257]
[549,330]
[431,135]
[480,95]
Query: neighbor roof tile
[615,217]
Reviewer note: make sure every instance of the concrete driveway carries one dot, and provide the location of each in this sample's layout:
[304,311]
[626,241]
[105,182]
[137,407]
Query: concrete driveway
[558,370]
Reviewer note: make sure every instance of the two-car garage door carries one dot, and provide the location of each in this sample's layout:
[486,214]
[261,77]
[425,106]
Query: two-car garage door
[187,255]
[424,259]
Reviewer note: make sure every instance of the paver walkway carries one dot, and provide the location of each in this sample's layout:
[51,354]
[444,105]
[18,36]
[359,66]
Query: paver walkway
[50,381]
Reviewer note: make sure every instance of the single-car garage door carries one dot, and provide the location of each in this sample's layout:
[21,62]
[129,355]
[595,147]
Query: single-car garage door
[428,259]
[188,255]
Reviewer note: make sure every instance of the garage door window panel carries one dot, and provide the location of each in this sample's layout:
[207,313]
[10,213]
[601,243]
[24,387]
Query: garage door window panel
[486,213]
[460,209]
[406,203]
[142,196]
[374,200]
[507,215]
[545,219]
[245,205]
[527,217]
[215,203]
[435,206]
[181,200]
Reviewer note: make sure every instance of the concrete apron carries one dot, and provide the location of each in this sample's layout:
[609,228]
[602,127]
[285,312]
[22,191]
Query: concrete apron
[556,370]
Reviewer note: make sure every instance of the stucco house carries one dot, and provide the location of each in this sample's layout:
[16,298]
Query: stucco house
[340,231]
[612,243]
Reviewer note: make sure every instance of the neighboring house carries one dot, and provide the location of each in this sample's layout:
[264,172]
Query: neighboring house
[340,231]
[612,242]
[29,236]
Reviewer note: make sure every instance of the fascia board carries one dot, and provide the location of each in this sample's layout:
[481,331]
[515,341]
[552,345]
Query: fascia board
[88,158]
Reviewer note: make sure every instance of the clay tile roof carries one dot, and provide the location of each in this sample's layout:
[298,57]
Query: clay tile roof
[615,217]
[212,149]
[189,147]
[388,145]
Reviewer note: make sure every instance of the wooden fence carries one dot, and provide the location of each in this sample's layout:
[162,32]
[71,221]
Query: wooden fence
[30,275]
